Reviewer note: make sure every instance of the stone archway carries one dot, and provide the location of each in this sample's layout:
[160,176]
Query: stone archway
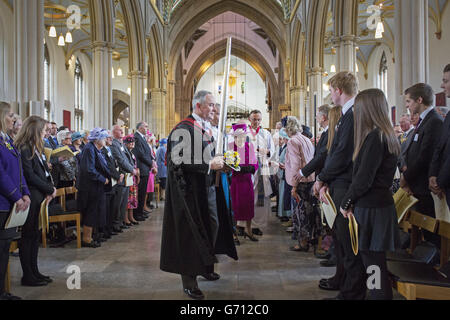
[121,101]
[242,51]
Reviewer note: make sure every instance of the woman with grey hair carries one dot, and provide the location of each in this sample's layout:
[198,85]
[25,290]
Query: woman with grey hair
[17,125]
[300,152]
[67,169]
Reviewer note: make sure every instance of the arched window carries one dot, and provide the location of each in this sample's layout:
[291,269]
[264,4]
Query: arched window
[79,96]
[382,76]
[47,109]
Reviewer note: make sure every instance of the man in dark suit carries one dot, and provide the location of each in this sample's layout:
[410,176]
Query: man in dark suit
[144,162]
[419,99]
[111,189]
[337,177]
[439,181]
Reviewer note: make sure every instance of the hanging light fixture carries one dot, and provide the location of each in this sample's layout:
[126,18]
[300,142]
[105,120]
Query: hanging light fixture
[68,37]
[61,42]
[52,31]
[333,68]
[380,30]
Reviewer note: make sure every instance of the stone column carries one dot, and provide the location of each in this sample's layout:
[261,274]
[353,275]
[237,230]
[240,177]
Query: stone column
[298,103]
[170,116]
[102,90]
[157,109]
[137,101]
[316,87]
[345,52]
[411,47]
[29,52]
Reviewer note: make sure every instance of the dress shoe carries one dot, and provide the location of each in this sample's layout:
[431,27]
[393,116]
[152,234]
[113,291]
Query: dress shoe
[211,276]
[135,223]
[42,277]
[195,293]
[124,226]
[328,263]
[240,231]
[139,219]
[257,232]
[92,244]
[34,282]
[129,224]
[251,237]
[9,296]
[328,286]
[148,212]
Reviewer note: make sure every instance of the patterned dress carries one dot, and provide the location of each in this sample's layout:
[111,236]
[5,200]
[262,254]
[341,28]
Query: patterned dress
[133,195]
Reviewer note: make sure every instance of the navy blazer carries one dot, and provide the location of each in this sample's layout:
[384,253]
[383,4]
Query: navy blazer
[420,152]
[93,170]
[13,185]
[143,155]
[35,172]
[320,156]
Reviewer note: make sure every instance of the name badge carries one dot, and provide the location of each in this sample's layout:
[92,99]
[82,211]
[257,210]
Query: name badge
[416,138]
[123,149]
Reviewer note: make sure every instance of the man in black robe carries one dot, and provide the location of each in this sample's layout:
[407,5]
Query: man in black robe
[188,247]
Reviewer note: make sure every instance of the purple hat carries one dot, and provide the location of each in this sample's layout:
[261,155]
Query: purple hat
[98,134]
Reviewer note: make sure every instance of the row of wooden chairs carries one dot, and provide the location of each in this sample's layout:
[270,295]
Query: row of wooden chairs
[415,280]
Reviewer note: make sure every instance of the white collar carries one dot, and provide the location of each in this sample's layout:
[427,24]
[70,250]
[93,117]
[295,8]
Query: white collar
[205,124]
[325,129]
[348,105]
[425,113]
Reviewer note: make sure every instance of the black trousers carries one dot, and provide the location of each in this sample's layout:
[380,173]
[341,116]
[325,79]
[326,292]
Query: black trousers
[377,259]
[4,258]
[350,268]
[142,191]
[426,206]
[110,210]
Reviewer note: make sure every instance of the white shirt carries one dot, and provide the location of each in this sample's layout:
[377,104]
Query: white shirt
[424,114]
[348,105]
[205,125]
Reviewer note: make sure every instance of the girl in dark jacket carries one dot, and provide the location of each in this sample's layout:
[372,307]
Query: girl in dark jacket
[30,142]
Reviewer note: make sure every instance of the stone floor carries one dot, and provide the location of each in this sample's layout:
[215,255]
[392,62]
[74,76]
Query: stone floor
[127,267]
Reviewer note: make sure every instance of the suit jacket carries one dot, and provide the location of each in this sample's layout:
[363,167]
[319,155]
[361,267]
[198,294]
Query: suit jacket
[143,156]
[338,167]
[119,153]
[35,172]
[13,184]
[420,152]
[93,170]
[404,147]
[320,156]
[112,166]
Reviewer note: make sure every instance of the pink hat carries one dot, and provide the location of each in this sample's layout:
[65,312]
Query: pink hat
[239,129]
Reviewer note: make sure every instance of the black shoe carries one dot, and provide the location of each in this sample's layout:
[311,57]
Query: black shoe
[135,223]
[194,293]
[328,286]
[152,206]
[299,249]
[257,232]
[323,256]
[117,231]
[146,212]
[124,226]
[34,282]
[139,218]
[240,231]
[129,224]
[211,276]
[9,296]
[92,244]
[251,237]
[42,277]
[328,263]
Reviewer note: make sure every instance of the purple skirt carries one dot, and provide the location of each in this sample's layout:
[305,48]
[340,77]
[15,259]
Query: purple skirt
[242,197]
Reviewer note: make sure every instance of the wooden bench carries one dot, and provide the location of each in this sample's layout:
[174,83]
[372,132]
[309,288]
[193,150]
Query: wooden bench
[65,217]
[12,248]
[419,280]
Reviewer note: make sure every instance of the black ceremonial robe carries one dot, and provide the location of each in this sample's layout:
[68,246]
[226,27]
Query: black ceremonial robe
[186,245]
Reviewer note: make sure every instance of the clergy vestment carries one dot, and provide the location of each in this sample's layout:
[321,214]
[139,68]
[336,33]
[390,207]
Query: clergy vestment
[187,246]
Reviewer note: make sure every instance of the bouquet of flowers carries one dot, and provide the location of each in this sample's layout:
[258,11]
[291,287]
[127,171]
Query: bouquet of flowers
[232,159]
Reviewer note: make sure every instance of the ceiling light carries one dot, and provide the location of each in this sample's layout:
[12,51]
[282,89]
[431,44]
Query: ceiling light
[61,42]
[68,37]
[52,32]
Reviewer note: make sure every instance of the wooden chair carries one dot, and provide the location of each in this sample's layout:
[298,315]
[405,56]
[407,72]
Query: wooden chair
[60,194]
[12,248]
[65,217]
[444,232]
[419,280]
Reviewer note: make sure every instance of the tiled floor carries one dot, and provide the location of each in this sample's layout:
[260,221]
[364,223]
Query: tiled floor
[127,267]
